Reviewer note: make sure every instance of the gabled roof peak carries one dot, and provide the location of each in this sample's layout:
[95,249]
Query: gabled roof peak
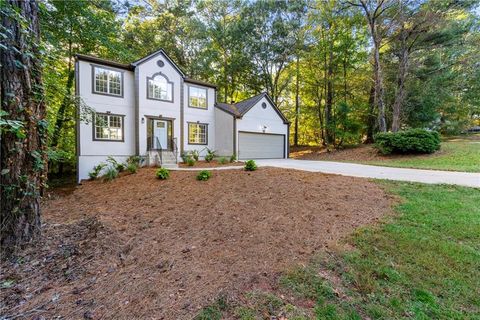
[153,55]
[241,108]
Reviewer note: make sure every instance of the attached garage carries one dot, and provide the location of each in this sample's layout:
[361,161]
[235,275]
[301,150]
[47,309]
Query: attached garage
[253,145]
[260,130]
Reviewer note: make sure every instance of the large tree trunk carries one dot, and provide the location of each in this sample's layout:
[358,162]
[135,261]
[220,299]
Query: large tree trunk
[401,78]
[329,101]
[378,78]
[22,157]
[297,104]
[371,115]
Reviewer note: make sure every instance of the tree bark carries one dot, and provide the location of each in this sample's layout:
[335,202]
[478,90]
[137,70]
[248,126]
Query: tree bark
[401,77]
[379,94]
[297,104]
[329,101]
[371,115]
[22,157]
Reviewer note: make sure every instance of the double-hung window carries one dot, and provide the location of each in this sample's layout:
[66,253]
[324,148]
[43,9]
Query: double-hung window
[159,88]
[108,127]
[197,97]
[197,133]
[107,81]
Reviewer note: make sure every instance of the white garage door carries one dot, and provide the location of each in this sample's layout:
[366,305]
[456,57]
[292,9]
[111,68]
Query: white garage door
[260,146]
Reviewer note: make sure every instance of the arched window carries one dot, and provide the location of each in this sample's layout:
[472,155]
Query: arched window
[159,88]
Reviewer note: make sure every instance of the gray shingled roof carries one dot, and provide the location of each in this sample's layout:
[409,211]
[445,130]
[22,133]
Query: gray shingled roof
[240,108]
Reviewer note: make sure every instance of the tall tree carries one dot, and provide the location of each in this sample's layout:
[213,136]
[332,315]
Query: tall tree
[23,156]
[374,11]
[272,40]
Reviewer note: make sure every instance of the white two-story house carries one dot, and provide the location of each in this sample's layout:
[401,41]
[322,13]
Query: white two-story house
[150,107]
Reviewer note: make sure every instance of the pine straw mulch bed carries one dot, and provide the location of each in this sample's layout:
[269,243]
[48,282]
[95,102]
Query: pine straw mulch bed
[361,153]
[139,247]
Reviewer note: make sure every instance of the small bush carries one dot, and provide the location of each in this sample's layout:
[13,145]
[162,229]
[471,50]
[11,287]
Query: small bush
[96,170]
[222,160]
[190,162]
[250,165]
[204,175]
[185,156]
[110,174]
[210,155]
[136,160]
[162,173]
[117,165]
[233,158]
[408,141]
[194,154]
[132,168]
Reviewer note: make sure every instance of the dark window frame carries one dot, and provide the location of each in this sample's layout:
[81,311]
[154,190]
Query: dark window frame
[94,133]
[188,96]
[121,95]
[206,134]
[168,81]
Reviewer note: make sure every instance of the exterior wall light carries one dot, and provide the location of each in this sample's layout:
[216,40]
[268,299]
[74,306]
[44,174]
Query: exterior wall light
[143,120]
[264,128]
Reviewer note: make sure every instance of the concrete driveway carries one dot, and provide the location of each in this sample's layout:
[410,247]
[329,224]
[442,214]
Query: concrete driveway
[376,172]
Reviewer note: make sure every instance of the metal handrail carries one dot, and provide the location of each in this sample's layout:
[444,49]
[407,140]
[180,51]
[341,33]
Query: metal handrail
[159,150]
[175,149]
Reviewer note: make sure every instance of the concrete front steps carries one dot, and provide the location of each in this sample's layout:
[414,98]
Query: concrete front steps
[168,159]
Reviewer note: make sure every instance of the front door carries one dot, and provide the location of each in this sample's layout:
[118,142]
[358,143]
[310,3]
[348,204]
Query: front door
[160,134]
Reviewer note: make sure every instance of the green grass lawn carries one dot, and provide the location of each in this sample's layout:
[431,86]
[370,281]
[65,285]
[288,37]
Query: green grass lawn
[455,155]
[421,263]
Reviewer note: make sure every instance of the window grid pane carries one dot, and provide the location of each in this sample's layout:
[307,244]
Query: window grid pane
[160,88]
[108,81]
[108,127]
[198,133]
[198,97]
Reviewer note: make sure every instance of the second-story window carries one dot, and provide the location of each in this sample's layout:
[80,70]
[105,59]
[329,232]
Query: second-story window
[107,81]
[197,97]
[160,88]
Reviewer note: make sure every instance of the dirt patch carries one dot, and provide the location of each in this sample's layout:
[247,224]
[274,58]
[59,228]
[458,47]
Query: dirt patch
[139,247]
[211,164]
[361,153]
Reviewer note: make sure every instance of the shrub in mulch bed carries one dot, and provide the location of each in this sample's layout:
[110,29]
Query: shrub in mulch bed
[162,173]
[204,175]
[250,165]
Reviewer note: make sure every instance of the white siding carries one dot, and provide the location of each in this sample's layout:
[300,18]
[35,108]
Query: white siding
[223,133]
[257,117]
[200,115]
[92,152]
[149,107]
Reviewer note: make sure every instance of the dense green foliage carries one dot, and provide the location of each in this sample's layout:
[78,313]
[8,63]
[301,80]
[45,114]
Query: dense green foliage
[210,155]
[313,58]
[110,174]
[96,170]
[250,165]
[408,141]
[162,173]
[204,175]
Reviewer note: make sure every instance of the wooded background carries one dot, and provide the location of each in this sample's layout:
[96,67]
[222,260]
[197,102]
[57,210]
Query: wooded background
[339,70]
